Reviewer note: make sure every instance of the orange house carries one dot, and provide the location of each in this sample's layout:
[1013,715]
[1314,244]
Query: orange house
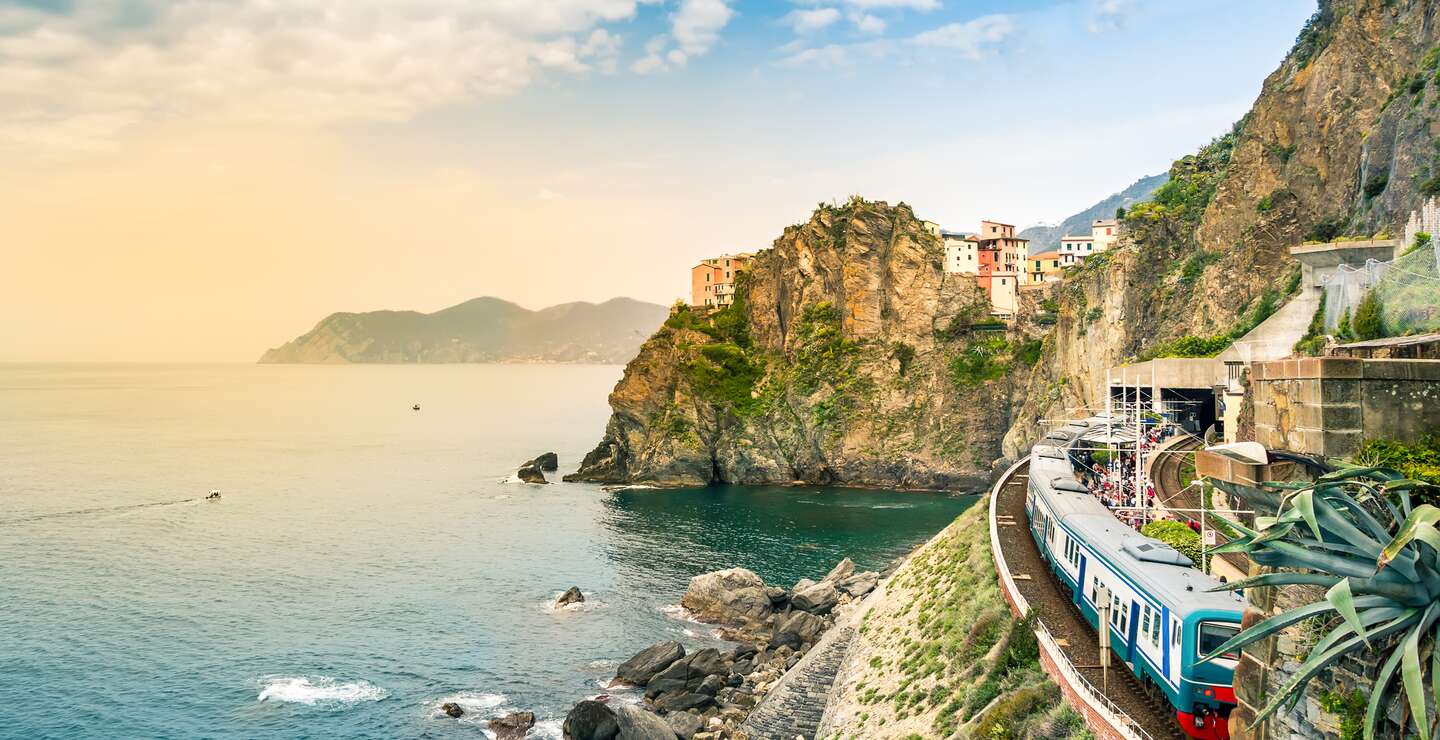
[712,282]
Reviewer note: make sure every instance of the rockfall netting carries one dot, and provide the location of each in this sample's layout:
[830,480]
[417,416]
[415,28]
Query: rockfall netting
[1408,286]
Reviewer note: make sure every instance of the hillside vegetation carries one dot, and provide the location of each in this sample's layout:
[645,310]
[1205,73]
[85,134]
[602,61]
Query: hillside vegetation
[938,655]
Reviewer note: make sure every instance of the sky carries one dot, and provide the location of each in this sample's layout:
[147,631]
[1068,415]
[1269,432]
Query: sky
[201,180]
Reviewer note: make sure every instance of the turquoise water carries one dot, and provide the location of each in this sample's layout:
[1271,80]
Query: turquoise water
[366,563]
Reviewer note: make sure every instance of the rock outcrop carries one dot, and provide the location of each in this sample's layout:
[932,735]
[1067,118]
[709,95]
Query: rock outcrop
[708,694]
[572,595]
[849,357]
[548,462]
[530,473]
[513,726]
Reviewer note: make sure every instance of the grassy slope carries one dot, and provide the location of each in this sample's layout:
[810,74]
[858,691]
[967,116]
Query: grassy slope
[939,656]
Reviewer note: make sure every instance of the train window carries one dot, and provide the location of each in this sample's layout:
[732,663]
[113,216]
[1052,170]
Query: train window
[1119,614]
[1145,621]
[1212,635]
[1175,633]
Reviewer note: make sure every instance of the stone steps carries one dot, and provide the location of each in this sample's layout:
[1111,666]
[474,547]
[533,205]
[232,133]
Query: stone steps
[796,703]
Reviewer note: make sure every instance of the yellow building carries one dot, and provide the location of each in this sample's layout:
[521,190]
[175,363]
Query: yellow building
[1045,267]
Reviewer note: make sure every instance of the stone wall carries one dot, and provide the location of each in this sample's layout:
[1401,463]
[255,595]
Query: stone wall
[1329,405]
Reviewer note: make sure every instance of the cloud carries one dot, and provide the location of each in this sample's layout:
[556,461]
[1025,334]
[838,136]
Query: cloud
[809,21]
[1109,15]
[921,5]
[78,77]
[972,39]
[548,194]
[866,23]
[694,28]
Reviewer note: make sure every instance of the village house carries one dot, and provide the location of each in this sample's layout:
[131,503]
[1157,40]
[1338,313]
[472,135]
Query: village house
[1046,267]
[962,253]
[712,282]
[1001,256]
[1074,249]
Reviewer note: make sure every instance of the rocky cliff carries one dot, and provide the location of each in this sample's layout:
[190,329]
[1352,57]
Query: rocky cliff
[849,357]
[479,330]
[1342,141]
[854,359]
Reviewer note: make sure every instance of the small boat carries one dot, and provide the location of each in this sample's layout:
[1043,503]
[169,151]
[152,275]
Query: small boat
[214,494]
[416,407]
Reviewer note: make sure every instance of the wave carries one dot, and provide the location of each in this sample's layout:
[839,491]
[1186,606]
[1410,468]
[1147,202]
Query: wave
[589,604]
[550,729]
[123,508]
[322,690]
[677,612]
[473,702]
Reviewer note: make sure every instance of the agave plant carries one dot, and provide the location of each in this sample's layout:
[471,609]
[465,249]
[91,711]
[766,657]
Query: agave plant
[1354,532]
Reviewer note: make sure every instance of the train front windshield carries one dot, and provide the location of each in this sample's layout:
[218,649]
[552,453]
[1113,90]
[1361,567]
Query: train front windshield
[1214,634]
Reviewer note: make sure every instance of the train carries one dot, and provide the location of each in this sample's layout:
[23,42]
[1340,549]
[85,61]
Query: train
[1163,616]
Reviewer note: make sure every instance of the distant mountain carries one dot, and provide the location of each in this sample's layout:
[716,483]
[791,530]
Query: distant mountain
[1046,238]
[479,330]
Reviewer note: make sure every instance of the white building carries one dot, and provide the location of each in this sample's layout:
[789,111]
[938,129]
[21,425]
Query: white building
[1104,232]
[1074,249]
[961,253]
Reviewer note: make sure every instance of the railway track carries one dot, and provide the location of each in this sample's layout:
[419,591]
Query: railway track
[1174,492]
[1055,609]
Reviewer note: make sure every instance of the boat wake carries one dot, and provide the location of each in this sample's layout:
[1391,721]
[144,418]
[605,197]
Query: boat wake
[121,509]
[323,690]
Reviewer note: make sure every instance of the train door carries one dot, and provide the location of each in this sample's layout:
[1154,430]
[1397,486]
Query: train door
[1080,582]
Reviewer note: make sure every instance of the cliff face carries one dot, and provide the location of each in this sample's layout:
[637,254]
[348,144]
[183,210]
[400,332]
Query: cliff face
[479,330]
[850,358]
[1342,141]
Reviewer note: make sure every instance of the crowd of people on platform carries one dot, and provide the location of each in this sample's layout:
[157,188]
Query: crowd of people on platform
[1110,475]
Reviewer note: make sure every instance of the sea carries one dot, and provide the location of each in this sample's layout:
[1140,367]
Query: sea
[366,562]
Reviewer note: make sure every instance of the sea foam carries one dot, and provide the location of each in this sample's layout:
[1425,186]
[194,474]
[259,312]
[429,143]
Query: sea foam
[321,690]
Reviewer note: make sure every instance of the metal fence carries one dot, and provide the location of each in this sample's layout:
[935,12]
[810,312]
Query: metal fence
[1131,727]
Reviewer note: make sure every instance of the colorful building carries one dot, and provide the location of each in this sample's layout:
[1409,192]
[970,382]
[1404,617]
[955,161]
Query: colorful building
[962,253]
[712,282]
[1103,233]
[1045,267]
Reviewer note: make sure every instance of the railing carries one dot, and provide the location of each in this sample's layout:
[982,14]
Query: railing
[1122,722]
[1079,681]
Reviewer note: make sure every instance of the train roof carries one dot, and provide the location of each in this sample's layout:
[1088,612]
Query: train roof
[1158,568]
[1184,588]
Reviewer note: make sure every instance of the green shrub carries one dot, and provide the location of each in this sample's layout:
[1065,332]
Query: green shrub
[1342,329]
[1314,340]
[1028,352]
[980,362]
[1422,241]
[1176,535]
[1264,204]
[1194,265]
[1326,229]
[1004,720]
[904,354]
[1419,461]
[1350,708]
[1370,317]
[1431,186]
[725,376]
[1188,346]
[1377,184]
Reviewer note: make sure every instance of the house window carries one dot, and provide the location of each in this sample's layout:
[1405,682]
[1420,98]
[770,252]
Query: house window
[707,277]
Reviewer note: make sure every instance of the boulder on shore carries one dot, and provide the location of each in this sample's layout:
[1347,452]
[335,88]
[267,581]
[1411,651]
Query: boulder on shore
[840,572]
[512,726]
[548,462]
[638,724]
[733,596]
[638,670]
[818,598]
[684,724]
[530,473]
[806,625]
[860,584]
[451,709]
[687,674]
[571,596]
[590,720]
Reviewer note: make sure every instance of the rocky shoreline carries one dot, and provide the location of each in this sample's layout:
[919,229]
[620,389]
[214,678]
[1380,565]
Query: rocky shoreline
[708,694]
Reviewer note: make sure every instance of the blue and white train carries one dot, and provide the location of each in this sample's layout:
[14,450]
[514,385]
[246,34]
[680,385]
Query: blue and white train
[1163,616]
